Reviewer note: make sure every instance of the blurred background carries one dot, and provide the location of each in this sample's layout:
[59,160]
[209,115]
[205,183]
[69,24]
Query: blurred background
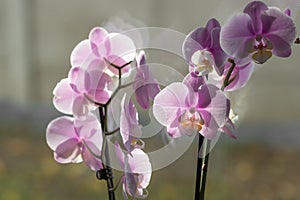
[36,39]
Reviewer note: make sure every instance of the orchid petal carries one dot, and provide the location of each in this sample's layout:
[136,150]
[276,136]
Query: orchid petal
[59,130]
[89,159]
[168,101]
[67,151]
[98,36]
[254,9]
[63,96]
[283,26]
[237,36]
[80,53]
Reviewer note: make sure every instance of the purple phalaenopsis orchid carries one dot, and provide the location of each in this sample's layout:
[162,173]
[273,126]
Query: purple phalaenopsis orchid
[130,129]
[202,49]
[73,140]
[259,32]
[186,111]
[145,85]
[137,172]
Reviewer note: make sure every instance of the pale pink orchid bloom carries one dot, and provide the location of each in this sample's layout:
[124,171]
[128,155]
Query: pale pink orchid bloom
[137,172]
[115,48]
[78,93]
[73,140]
[185,110]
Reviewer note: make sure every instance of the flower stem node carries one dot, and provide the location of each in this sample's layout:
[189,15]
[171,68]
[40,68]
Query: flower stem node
[104,174]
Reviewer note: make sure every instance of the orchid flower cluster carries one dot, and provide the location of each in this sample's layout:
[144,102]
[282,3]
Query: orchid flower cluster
[220,60]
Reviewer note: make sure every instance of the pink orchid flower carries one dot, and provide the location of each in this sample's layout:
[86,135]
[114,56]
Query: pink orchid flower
[114,48]
[259,32]
[73,139]
[77,93]
[137,172]
[194,82]
[145,85]
[185,110]
[130,129]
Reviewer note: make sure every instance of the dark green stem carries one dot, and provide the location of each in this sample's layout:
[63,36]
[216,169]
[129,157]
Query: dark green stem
[109,180]
[204,169]
[199,169]
[226,80]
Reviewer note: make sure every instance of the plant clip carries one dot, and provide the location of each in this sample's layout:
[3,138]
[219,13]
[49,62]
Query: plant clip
[297,41]
[104,174]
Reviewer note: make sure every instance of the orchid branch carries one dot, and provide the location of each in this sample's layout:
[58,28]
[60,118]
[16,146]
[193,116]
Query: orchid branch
[226,80]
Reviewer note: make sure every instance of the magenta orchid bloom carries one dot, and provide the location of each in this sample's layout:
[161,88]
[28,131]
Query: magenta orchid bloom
[145,85]
[137,172]
[186,111]
[202,49]
[72,139]
[77,93]
[130,129]
[113,48]
[259,32]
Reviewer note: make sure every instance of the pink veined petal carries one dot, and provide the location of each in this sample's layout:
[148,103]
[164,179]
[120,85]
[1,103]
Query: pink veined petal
[226,130]
[129,126]
[120,154]
[81,80]
[168,101]
[243,74]
[210,128]
[124,192]
[63,96]
[218,105]
[99,95]
[122,46]
[195,41]
[193,81]
[254,9]
[152,89]
[218,54]
[206,93]
[280,47]
[141,59]
[73,73]
[173,129]
[81,106]
[283,26]
[94,63]
[140,164]
[89,159]
[131,183]
[237,36]
[89,129]
[60,130]
[68,151]
[80,53]
[145,85]
[142,97]
[98,36]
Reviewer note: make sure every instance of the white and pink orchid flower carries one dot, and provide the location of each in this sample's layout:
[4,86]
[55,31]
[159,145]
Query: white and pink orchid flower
[74,140]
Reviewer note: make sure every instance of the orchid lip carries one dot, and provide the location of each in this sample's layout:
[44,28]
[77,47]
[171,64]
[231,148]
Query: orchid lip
[191,120]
